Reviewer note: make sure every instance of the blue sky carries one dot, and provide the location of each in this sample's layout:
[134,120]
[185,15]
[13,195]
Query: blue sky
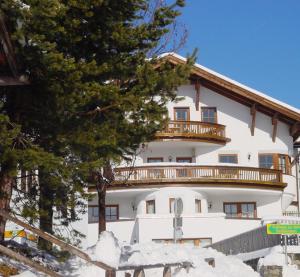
[255,42]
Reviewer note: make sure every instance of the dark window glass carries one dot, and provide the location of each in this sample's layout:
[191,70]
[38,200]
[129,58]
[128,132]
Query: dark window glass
[111,213]
[209,115]
[228,159]
[181,114]
[197,206]
[150,207]
[231,210]
[266,161]
[155,160]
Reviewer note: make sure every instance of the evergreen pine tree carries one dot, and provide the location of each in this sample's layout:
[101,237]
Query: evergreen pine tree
[95,94]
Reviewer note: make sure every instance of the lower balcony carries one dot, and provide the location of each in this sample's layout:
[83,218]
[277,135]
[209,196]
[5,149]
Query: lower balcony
[194,131]
[195,175]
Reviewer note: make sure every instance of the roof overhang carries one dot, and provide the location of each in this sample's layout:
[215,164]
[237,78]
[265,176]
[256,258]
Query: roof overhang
[241,93]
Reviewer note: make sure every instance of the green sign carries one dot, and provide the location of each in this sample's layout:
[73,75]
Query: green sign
[283,229]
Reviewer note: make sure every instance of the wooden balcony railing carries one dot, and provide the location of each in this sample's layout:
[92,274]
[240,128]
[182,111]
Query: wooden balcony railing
[199,174]
[194,130]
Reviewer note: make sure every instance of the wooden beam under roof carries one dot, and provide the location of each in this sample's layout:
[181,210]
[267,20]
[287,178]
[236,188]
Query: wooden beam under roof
[253,110]
[275,126]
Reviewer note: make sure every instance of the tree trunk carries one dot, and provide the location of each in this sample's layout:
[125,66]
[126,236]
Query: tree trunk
[103,180]
[6,184]
[46,203]
[101,204]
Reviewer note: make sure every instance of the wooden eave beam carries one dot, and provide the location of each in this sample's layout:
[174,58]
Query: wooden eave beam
[275,126]
[253,110]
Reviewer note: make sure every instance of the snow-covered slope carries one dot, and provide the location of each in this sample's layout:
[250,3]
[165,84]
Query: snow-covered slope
[108,250]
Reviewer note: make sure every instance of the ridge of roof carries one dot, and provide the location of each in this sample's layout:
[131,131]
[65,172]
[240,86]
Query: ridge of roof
[225,78]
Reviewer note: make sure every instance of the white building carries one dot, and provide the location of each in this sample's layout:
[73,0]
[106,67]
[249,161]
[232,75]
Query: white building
[227,152]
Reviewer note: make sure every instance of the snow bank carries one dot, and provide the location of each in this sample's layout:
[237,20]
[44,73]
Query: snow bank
[275,257]
[154,253]
[106,250]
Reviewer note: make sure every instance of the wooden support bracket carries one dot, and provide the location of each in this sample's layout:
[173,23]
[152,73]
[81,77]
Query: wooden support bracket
[253,110]
[275,125]
[295,128]
[197,88]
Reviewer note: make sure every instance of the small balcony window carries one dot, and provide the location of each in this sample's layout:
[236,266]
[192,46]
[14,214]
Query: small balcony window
[266,161]
[228,158]
[197,206]
[172,205]
[155,160]
[150,207]
[209,114]
[182,114]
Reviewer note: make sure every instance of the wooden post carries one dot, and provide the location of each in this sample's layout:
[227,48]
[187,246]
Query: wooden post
[167,271]
[27,261]
[275,124]
[253,114]
[139,272]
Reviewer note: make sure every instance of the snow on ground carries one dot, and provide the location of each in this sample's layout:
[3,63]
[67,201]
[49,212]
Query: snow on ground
[108,250]
[112,253]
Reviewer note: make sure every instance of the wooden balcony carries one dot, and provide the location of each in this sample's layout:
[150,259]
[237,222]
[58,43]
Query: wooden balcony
[194,175]
[194,131]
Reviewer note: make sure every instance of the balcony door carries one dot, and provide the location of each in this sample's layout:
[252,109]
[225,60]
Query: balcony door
[182,114]
[183,172]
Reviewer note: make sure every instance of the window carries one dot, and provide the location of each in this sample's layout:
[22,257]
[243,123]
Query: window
[228,158]
[184,160]
[182,114]
[155,160]
[266,161]
[93,214]
[197,206]
[275,161]
[172,205]
[150,207]
[209,115]
[111,212]
[240,210]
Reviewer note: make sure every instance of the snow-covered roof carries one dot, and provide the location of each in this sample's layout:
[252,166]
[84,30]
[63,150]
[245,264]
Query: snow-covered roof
[247,92]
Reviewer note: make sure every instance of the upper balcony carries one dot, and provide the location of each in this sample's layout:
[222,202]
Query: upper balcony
[194,131]
[196,175]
